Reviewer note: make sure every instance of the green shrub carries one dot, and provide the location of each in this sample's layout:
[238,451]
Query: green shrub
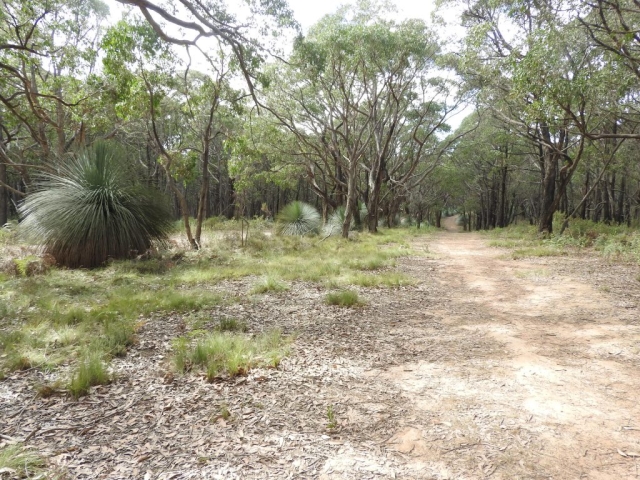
[94,210]
[298,218]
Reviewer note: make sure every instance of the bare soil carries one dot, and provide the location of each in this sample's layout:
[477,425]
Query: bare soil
[487,368]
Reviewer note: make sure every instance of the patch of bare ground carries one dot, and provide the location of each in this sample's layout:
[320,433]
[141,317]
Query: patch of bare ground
[486,368]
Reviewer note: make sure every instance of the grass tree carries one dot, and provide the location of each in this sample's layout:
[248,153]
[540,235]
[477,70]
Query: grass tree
[94,209]
[298,218]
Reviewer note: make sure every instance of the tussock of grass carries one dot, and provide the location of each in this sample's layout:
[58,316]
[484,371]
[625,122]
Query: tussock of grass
[230,354]
[231,325]
[374,263]
[90,372]
[344,298]
[269,284]
[20,462]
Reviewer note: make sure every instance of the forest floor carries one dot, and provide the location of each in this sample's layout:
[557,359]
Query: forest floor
[487,367]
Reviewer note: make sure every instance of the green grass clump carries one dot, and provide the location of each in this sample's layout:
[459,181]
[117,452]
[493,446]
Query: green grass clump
[20,462]
[269,284]
[231,325]
[230,354]
[344,298]
[90,372]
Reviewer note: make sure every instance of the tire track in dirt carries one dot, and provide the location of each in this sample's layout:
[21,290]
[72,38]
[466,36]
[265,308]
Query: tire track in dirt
[554,395]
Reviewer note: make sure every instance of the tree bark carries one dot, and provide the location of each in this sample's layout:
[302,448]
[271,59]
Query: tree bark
[4,200]
[352,193]
[545,223]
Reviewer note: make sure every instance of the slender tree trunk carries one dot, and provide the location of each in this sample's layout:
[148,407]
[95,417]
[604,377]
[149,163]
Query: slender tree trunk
[204,189]
[583,210]
[545,223]
[503,198]
[352,193]
[621,197]
[4,197]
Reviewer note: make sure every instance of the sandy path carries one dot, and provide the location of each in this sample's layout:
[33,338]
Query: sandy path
[552,394]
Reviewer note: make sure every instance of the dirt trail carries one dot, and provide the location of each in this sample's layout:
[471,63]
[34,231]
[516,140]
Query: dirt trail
[554,394]
[487,368]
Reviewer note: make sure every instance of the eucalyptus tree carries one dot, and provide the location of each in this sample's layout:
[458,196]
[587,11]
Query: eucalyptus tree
[500,173]
[48,53]
[539,72]
[361,98]
[186,112]
[250,32]
[613,26]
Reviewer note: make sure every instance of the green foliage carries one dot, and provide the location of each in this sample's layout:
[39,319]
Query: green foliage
[20,462]
[94,210]
[615,242]
[90,372]
[298,218]
[344,298]
[231,354]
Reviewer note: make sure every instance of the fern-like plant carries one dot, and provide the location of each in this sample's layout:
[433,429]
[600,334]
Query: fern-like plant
[94,209]
[298,218]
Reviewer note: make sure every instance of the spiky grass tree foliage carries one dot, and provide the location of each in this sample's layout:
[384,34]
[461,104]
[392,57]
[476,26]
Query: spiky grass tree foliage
[94,209]
[298,218]
[333,227]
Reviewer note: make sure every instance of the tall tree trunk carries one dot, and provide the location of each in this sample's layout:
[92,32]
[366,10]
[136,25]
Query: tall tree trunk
[204,190]
[621,197]
[503,197]
[583,209]
[352,194]
[4,197]
[545,223]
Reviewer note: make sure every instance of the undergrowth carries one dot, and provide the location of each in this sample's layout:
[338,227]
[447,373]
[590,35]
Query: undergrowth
[230,353]
[614,242]
[52,318]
